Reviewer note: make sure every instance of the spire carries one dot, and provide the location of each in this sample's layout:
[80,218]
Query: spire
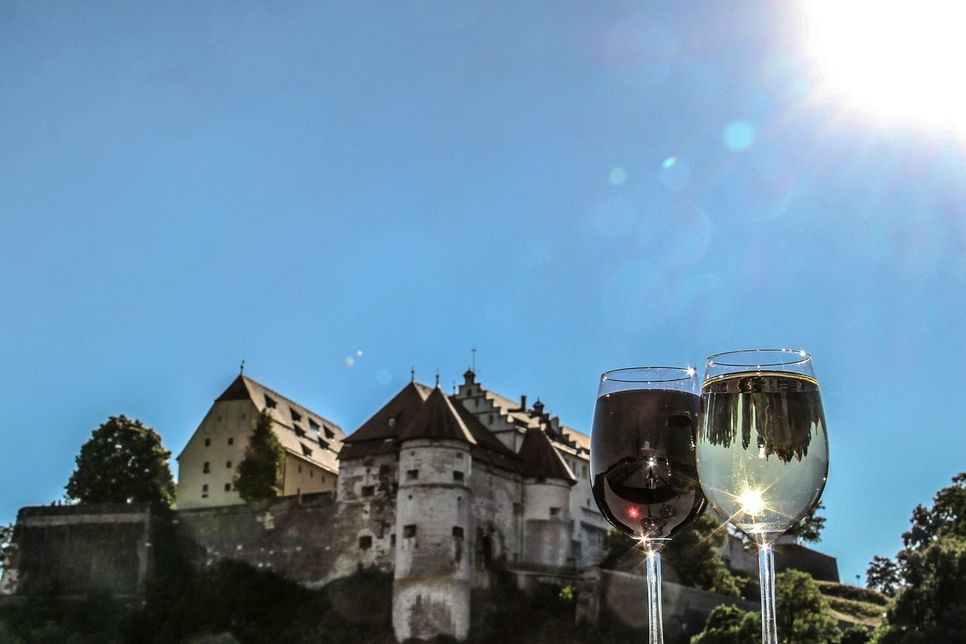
[437,418]
[412,373]
[540,459]
[241,369]
[437,378]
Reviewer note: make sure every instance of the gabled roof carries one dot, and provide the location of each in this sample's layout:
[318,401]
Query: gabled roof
[294,424]
[378,434]
[541,459]
[437,419]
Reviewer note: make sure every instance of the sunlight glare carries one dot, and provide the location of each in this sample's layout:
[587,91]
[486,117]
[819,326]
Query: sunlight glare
[892,59]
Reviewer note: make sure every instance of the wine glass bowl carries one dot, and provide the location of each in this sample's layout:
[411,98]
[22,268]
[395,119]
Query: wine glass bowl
[762,447]
[642,468]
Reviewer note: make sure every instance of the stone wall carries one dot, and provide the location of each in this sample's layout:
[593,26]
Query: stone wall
[292,536]
[76,549]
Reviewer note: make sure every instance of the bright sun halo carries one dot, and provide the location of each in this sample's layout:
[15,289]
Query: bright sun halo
[892,58]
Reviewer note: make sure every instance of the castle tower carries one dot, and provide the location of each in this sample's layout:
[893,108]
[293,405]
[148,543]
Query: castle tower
[547,524]
[431,590]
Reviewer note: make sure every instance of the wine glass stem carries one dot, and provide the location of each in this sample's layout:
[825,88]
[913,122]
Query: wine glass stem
[655,621]
[766,578]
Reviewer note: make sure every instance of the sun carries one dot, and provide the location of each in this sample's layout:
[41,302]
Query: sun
[891,59]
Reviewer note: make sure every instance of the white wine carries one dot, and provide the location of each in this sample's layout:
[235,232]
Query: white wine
[762,449]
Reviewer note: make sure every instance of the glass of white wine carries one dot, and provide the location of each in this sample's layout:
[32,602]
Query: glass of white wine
[762,450]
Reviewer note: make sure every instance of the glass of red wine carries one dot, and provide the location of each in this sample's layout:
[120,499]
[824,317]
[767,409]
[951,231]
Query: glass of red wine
[642,464]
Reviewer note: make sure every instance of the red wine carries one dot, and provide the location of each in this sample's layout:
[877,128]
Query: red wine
[642,464]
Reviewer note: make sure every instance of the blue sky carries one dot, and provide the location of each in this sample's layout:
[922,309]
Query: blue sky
[568,187]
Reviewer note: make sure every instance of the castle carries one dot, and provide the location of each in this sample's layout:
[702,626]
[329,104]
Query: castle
[441,490]
[437,488]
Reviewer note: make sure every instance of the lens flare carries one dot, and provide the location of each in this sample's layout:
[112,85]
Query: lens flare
[752,502]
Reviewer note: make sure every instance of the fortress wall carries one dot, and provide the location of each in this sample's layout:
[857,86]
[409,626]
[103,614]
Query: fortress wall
[496,515]
[295,537]
[77,549]
[366,509]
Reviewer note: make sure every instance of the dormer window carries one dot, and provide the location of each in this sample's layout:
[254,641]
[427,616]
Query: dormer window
[323,444]
[270,402]
[392,421]
[299,431]
[314,426]
[329,433]
[295,415]
[306,450]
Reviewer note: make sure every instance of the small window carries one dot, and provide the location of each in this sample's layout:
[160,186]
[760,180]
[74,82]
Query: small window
[299,431]
[516,508]
[383,470]
[409,531]
[207,442]
[491,418]
[206,467]
[368,490]
[458,531]
[204,491]
[392,421]
[554,512]
[231,441]
[458,476]
[323,443]
[228,464]
[295,415]
[365,542]
[412,475]
[270,402]
[227,487]
[329,433]
[300,469]
[311,474]
[306,450]
[314,426]
[392,540]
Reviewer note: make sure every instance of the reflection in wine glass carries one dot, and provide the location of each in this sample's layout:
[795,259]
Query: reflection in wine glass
[642,465]
[762,449]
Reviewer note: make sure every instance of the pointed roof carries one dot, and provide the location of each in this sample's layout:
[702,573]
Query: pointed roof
[540,459]
[237,390]
[302,432]
[437,419]
[379,434]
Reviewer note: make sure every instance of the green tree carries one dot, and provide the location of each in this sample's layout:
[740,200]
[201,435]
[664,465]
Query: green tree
[260,472]
[883,575]
[809,529]
[123,462]
[802,611]
[730,625]
[694,556]
[930,604]
[803,617]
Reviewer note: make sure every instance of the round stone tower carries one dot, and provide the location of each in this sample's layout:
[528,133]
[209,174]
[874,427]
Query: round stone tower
[547,525]
[431,589]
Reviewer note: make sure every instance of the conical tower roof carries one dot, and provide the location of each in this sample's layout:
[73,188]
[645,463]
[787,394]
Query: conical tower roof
[437,419]
[540,459]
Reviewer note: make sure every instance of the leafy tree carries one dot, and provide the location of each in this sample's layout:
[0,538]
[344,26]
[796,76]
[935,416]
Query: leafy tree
[930,604]
[260,472]
[803,617]
[694,556]
[883,575]
[730,625]
[802,611]
[123,462]
[809,529]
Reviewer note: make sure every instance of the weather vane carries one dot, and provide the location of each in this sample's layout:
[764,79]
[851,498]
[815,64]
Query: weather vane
[241,369]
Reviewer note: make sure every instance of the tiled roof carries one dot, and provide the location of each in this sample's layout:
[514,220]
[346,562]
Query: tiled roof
[437,419]
[488,448]
[294,424]
[541,459]
[400,410]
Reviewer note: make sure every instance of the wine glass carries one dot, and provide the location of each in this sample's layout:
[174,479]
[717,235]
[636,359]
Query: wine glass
[762,450]
[642,465]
